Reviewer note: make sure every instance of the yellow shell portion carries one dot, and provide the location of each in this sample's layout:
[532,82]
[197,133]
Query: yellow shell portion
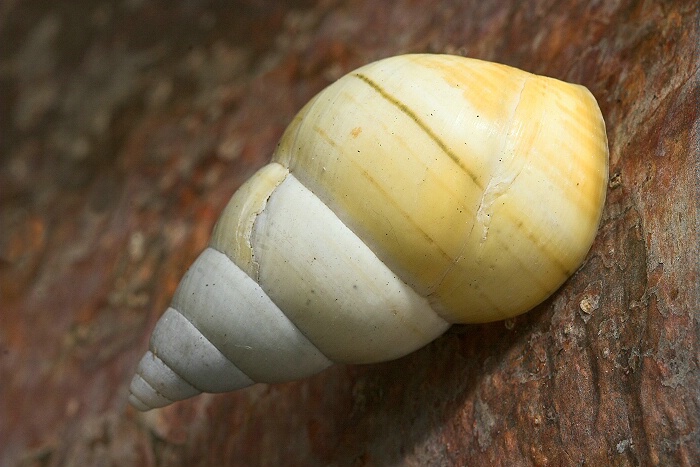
[478,184]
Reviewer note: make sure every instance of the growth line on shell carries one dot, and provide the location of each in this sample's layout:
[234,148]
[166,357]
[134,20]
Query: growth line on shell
[428,131]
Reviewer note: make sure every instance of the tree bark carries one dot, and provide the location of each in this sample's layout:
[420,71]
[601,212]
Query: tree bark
[125,128]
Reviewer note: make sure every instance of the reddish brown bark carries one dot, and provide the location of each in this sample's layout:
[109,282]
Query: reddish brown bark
[123,131]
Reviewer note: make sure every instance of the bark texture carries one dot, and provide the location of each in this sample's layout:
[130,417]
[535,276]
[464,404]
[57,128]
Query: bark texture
[126,126]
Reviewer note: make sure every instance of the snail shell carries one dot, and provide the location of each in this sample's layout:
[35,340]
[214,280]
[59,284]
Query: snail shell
[414,192]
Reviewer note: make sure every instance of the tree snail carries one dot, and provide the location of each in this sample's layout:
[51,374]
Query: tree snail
[414,192]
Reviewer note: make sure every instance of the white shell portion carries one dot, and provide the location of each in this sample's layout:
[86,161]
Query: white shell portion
[163,387]
[227,336]
[192,356]
[332,286]
[225,330]
[239,319]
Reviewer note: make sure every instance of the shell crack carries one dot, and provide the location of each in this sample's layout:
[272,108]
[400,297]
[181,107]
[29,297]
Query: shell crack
[506,170]
[504,175]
